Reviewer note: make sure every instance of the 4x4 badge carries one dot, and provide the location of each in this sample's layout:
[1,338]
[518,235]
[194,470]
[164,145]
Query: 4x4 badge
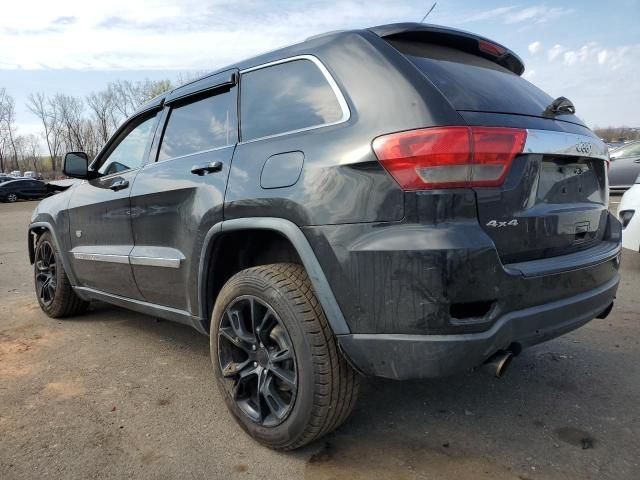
[506,223]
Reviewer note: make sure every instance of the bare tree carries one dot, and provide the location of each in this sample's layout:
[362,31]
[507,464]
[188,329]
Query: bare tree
[128,96]
[8,123]
[103,107]
[41,106]
[615,134]
[31,151]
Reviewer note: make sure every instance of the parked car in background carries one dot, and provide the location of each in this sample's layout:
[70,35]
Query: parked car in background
[625,166]
[32,174]
[629,214]
[16,173]
[396,201]
[22,188]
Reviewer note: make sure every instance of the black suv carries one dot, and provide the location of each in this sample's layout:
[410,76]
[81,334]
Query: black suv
[395,201]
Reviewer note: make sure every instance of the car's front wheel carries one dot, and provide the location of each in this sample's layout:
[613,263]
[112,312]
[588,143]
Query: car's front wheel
[11,197]
[276,360]
[53,289]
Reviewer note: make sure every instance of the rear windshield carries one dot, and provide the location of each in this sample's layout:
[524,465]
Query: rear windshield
[474,83]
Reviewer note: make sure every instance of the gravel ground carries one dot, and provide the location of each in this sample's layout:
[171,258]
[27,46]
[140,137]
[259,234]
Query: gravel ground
[116,394]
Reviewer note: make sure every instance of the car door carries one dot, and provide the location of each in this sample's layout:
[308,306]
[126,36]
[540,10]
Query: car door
[176,199]
[99,211]
[36,189]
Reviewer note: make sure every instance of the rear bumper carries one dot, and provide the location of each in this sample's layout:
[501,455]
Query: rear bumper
[401,356]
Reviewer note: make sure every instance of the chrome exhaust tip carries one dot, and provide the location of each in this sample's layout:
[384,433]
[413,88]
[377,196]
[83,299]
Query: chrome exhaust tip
[498,363]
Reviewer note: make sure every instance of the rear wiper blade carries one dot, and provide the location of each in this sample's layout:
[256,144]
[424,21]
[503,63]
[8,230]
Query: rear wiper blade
[560,106]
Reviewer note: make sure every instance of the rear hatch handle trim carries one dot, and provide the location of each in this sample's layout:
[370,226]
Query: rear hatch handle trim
[548,142]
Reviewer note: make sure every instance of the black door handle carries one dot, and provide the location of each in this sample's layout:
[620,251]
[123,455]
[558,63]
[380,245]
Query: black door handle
[208,168]
[636,161]
[119,184]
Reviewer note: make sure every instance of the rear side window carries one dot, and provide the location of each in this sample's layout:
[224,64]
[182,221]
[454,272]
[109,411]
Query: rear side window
[474,83]
[201,125]
[286,97]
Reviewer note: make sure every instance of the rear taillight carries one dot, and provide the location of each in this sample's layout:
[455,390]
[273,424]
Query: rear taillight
[449,157]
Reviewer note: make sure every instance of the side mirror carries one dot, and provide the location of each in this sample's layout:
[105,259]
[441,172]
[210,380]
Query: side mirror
[76,165]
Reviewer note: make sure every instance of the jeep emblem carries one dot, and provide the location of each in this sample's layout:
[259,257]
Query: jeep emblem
[584,147]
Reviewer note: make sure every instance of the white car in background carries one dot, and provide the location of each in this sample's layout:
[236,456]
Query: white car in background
[629,214]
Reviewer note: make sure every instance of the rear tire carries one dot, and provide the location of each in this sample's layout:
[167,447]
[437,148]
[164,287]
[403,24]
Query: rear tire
[53,289]
[325,387]
[11,197]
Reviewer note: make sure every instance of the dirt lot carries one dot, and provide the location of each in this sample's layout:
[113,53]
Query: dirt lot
[116,394]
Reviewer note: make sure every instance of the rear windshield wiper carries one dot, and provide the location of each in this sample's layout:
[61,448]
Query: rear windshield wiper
[561,106]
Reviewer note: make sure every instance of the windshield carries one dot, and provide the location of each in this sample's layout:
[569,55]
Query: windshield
[630,150]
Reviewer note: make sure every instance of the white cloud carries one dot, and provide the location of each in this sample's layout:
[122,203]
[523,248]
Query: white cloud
[537,14]
[529,74]
[516,14]
[596,78]
[169,34]
[487,14]
[535,47]
[555,51]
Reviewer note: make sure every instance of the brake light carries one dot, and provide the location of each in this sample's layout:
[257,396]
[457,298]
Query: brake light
[449,157]
[490,48]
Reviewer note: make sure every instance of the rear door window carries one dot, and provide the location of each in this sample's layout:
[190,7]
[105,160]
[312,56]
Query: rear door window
[286,97]
[201,125]
[474,83]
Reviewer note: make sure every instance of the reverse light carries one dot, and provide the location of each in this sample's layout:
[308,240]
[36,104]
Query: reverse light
[450,157]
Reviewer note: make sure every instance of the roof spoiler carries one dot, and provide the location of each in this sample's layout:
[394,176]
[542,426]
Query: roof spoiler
[453,38]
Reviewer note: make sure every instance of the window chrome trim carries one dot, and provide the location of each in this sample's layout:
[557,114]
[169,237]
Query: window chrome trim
[344,106]
[560,143]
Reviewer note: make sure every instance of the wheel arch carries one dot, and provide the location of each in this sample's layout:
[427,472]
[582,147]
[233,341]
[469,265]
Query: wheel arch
[36,229]
[211,252]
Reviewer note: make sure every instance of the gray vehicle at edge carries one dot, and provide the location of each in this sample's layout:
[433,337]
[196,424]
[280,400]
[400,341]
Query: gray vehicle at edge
[395,201]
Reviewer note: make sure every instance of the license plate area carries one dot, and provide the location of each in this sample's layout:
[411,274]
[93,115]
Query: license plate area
[571,180]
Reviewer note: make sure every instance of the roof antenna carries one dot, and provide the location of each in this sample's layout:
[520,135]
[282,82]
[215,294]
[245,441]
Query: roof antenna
[430,10]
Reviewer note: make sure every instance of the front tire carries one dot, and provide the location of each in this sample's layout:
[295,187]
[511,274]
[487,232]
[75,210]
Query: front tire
[275,358]
[53,289]
[11,197]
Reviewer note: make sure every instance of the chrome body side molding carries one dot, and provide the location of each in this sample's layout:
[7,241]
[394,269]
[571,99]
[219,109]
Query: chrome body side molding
[143,256]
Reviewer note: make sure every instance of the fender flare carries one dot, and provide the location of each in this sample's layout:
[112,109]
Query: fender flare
[293,233]
[41,225]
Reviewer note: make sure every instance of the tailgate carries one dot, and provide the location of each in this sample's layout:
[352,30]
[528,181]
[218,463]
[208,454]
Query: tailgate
[554,201]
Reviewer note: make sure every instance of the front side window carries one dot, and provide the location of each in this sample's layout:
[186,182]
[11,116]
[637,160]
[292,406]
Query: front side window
[285,97]
[201,125]
[129,152]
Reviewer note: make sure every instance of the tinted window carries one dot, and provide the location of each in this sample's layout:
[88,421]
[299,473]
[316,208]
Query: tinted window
[129,153]
[474,83]
[285,97]
[201,125]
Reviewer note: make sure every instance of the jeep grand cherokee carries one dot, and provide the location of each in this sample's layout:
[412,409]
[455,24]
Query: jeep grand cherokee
[396,201]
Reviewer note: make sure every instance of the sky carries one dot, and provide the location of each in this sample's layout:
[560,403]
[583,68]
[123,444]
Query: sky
[588,51]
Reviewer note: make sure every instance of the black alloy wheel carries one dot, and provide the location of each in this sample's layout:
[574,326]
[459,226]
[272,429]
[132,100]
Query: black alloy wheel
[257,360]
[46,278]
